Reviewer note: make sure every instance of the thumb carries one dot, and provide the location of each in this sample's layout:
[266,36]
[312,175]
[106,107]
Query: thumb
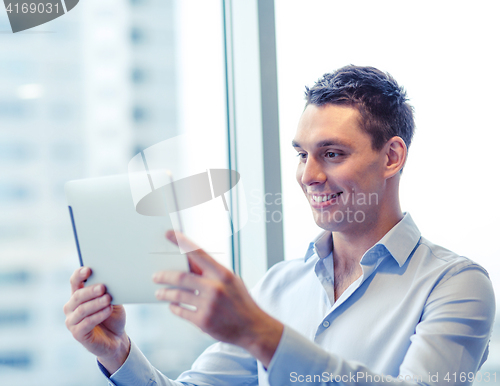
[182,241]
[172,236]
[200,261]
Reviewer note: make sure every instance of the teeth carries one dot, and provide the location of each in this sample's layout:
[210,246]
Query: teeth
[324,198]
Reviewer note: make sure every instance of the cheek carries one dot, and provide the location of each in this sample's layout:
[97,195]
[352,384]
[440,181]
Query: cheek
[345,175]
[353,179]
[367,180]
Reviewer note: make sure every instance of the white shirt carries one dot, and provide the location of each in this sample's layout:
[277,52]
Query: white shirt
[418,314]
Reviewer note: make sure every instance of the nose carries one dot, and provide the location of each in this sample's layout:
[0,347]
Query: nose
[311,172]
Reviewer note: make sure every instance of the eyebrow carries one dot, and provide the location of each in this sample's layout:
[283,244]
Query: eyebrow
[325,143]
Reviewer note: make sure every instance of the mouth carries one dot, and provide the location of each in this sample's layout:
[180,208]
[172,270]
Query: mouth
[322,200]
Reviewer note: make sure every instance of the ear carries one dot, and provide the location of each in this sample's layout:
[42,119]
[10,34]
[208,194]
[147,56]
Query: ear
[395,152]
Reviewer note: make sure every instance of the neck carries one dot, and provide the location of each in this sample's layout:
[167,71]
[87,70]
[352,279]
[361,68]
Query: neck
[351,245]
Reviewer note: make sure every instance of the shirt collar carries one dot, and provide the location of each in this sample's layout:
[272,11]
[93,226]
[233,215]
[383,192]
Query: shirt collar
[322,245]
[399,241]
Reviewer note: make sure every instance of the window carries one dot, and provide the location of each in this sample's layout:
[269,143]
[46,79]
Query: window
[14,317]
[16,152]
[83,125]
[16,360]
[138,75]
[15,191]
[15,277]
[137,35]
[139,114]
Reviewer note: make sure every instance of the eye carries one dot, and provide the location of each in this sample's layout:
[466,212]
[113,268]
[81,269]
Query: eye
[302,156]
[332,154]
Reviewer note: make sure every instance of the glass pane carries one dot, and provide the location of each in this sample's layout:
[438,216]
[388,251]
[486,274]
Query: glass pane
[443,54]
[80,96]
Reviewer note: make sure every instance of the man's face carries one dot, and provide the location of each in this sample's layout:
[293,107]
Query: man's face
[339,172]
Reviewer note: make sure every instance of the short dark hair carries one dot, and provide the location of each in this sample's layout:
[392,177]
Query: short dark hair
[382,103]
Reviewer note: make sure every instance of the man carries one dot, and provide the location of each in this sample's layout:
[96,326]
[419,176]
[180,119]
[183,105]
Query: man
[371,302]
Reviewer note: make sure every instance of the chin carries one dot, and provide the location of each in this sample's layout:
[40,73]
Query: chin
[326,221]
[341,219]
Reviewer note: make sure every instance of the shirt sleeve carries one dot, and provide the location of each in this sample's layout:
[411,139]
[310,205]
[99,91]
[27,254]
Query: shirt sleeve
[137,371]
[449,345]
[221,364]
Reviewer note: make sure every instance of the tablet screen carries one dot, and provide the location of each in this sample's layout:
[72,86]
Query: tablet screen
[121,246]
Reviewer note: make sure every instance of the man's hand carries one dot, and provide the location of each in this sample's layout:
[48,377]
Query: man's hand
[95,323]
[224,308]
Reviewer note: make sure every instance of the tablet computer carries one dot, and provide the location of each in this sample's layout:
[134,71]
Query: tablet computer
[124,243]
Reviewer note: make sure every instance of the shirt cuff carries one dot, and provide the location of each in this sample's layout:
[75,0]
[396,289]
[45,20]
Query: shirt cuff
[136,370]
[296,356]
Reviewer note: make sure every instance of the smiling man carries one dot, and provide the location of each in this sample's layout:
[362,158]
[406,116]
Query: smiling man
[352,186]
[371,302]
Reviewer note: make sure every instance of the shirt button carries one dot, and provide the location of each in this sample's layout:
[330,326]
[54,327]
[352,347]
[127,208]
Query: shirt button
[326,324]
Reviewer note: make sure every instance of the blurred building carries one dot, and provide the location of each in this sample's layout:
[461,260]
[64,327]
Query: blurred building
[79,97]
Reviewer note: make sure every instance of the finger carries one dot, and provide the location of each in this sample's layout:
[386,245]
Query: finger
[178,238]
[198,256]
[78,277]
[193,267]
[83,295]
[184,313]
[186,280]
[178,296]
[86,309]
[83,329]
[171,236]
